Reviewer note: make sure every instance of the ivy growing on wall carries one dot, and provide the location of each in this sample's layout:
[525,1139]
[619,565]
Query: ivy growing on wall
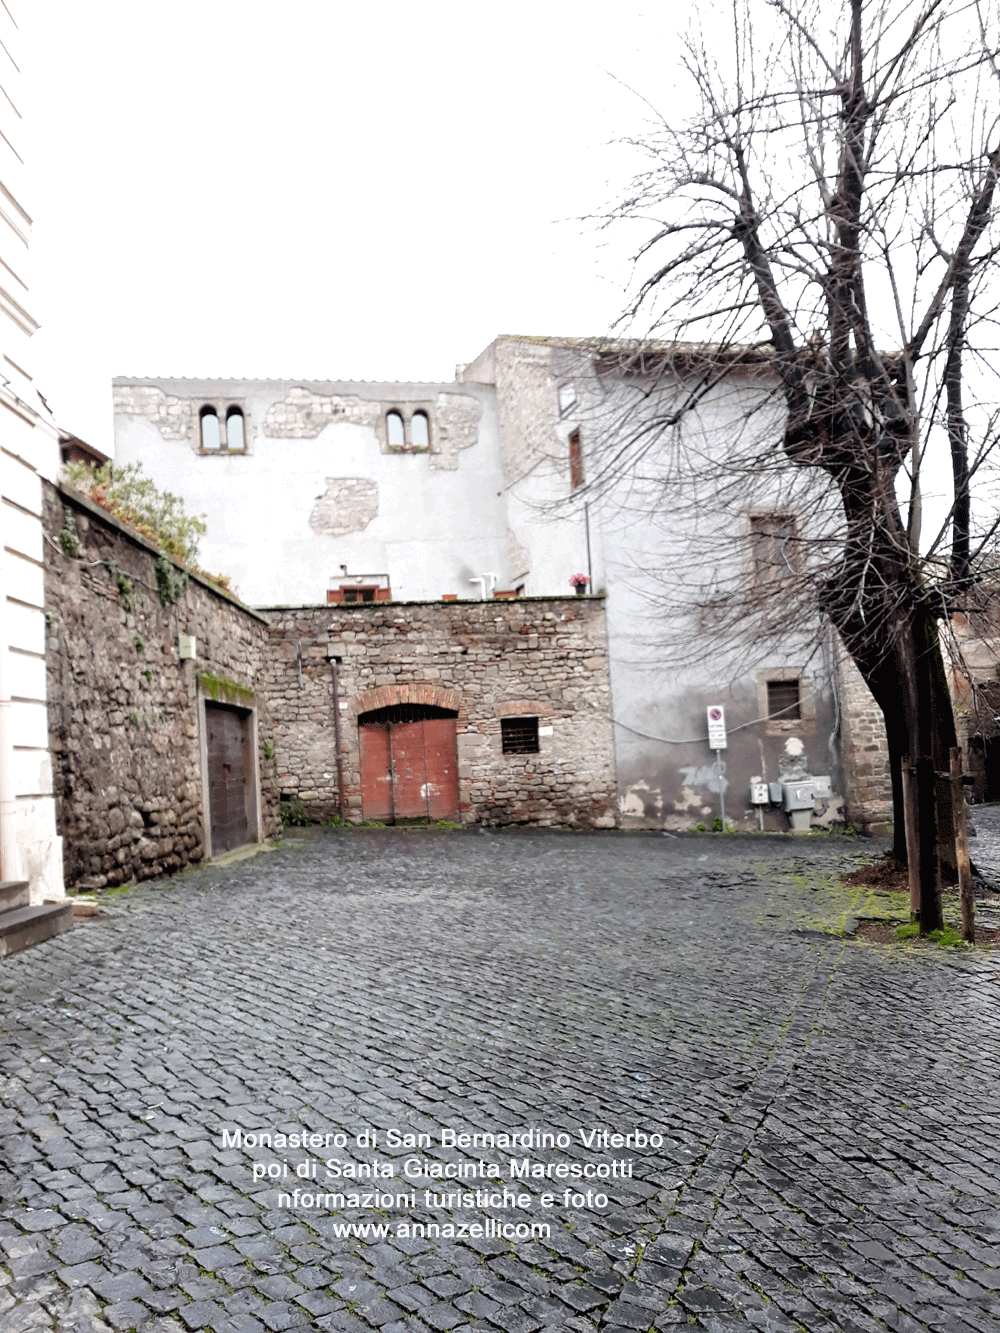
[217,687]
[68,539]
[171,582]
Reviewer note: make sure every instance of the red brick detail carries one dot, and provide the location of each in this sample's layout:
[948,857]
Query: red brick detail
[386,696]
[524,708]
[383,594]
[334,594]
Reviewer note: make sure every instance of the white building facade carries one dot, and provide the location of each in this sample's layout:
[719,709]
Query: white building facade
[29,450]
[499,484]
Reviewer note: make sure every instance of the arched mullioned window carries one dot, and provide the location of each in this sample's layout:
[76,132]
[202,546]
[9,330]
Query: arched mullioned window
[395,435]
[235,434]
[210,435]
[420,431]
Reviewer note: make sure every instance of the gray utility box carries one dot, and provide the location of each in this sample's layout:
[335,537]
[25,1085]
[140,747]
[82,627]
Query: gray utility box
[796,796]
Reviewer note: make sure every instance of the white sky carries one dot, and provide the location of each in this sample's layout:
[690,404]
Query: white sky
[322,190]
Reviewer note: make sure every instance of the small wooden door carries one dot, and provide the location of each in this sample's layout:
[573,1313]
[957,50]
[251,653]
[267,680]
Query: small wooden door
[227,776]
[409,766]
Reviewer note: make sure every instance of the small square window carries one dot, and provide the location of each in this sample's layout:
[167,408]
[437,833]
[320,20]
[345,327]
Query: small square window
[783,700]
[519,735]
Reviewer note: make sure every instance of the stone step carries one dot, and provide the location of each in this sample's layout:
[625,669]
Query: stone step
[24,927]
[14,893]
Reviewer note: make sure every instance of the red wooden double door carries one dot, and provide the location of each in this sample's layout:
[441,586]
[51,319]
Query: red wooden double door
[409,765]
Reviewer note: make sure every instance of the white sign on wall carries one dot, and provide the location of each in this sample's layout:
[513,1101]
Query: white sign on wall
[716,727]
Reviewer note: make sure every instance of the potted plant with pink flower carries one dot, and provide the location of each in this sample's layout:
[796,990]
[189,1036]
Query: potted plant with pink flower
[579,583]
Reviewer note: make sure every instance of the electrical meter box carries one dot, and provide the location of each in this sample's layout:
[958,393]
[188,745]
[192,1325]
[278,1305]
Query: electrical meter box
[774,791]
[797,796]
[759,794]
[822,788]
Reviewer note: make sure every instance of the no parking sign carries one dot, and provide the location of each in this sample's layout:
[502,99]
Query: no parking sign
[716,727]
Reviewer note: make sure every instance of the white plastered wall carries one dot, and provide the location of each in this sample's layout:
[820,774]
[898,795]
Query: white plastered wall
[29,450]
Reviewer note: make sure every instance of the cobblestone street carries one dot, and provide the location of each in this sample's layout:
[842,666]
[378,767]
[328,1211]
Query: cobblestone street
[828,1108]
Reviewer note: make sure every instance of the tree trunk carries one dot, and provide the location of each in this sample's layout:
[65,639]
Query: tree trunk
[931,711]
[910,685]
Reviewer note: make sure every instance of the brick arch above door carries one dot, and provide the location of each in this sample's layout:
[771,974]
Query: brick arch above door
[387,696]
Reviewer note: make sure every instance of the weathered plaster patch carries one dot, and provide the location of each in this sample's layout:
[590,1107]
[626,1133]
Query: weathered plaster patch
[792,764]
[518,559]
[830,812]
[349,505]
[172,415]
[302,414]
[455,427]
[689,799]
[527,407]
[639,800]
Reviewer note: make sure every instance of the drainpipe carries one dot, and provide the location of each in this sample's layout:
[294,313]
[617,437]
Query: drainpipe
[482,580]
[9,868]
[336,737]
[586,523]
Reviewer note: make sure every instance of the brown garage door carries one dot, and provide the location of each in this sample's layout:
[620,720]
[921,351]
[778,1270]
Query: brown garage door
[409,768]
[228,753]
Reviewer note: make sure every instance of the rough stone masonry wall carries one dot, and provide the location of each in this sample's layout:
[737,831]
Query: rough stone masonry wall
[487,660]
[123,707]
[865,752]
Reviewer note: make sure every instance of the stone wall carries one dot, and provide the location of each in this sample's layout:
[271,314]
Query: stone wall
[488,660]
[124,708]
[865,752]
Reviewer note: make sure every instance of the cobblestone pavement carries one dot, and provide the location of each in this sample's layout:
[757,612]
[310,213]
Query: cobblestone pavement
[828,1108]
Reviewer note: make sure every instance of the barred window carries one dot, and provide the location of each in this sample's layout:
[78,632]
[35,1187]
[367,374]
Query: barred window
[783,700]
[519,735]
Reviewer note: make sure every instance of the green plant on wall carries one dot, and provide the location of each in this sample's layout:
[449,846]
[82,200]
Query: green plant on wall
[268,748]
[130,496]
[68,538]
[232,691]
[125,590]
[139,644]
[171,582]
[293,814]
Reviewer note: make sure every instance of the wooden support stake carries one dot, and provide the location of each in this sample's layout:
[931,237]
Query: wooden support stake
[962,849]
[912,847]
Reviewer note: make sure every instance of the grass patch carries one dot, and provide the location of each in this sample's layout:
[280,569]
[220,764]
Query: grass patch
[948,938]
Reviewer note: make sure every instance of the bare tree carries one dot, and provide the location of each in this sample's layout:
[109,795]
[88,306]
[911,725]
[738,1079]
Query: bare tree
[826,216]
